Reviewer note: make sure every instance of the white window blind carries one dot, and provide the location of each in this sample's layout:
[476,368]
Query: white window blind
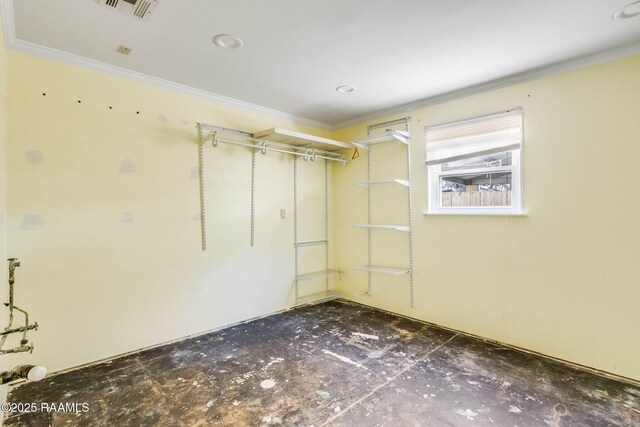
[474,165]
[474,137]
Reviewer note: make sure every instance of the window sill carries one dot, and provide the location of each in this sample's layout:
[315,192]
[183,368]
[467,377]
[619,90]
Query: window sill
[515,214]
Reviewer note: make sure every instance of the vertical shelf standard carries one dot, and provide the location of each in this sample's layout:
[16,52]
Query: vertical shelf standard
[388,136]
[309,147]
[314,276]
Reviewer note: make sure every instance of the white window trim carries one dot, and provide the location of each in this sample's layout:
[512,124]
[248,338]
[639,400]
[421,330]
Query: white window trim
[517,206]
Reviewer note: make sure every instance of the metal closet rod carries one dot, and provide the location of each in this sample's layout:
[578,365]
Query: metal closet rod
[264,145]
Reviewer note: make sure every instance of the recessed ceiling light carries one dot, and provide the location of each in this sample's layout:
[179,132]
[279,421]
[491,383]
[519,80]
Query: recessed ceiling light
[629,11]
[227,41]
[345,89]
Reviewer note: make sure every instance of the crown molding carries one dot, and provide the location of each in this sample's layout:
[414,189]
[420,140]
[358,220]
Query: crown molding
[6,14]
[513,79]
[6,7]
[68,58]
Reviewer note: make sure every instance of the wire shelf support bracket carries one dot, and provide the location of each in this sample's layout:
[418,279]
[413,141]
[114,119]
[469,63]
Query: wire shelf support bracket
[389,135]
[307,147]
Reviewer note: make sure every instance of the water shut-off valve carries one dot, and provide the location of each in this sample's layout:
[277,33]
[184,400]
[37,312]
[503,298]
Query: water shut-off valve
[27,372]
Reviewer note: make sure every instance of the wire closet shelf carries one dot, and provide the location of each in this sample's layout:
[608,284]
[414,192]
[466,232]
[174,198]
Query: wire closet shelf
[262,145]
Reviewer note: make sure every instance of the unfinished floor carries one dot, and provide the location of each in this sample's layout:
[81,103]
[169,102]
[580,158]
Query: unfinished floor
[336,364]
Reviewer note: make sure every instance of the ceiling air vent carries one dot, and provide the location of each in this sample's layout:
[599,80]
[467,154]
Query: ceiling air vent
[139,8]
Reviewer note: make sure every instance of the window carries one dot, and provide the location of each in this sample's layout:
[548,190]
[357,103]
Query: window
[474,165]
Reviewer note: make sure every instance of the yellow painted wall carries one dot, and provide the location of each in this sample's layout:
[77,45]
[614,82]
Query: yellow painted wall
[111,257]
[3,188]
[564,280]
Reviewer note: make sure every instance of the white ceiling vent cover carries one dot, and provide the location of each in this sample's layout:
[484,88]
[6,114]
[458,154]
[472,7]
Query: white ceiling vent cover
[139,8]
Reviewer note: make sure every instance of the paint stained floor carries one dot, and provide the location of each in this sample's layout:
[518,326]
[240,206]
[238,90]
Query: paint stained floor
[334,364]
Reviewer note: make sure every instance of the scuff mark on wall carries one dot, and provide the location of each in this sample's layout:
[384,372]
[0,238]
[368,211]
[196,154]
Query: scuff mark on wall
[195,173]
[31,222]
[127,166]
[33,157]
[127,218]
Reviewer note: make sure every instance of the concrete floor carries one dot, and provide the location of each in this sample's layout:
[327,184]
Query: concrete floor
[336,364]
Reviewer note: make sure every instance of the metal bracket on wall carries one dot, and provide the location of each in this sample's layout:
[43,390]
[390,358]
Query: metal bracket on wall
[219,135]
[203,218]
[374,138]
[213,134]
[315,276]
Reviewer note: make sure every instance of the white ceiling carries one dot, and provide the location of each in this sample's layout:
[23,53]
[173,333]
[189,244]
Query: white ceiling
[296,52]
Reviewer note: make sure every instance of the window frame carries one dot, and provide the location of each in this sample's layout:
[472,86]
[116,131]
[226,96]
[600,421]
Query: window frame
[434,174]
